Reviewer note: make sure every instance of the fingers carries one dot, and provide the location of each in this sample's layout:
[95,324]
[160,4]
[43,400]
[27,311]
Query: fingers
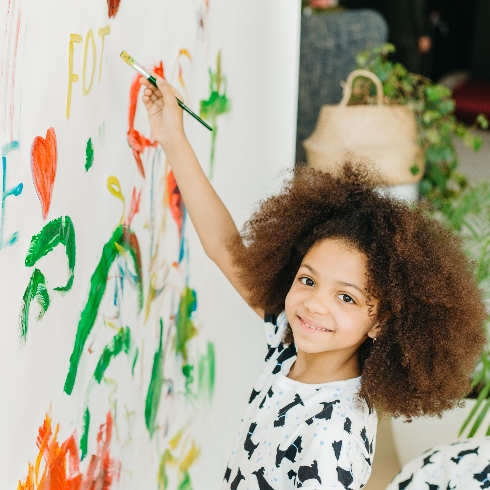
[168,92]
[146,83]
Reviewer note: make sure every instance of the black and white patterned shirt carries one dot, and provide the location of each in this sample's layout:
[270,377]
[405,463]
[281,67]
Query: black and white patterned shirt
[462,465]
[297,435]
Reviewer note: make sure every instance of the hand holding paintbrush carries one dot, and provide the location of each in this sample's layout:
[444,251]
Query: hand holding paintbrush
[164,112]
[152,79]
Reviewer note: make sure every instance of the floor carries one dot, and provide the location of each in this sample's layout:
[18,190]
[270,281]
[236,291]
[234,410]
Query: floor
[476,166]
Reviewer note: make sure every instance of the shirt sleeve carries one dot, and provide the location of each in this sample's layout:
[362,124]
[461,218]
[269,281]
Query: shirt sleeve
[334,460]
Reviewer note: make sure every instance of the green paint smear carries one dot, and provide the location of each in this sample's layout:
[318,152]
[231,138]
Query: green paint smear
[56,232]
[84,438]
[185,327]
[189,379]
[185,482]
[155,388]
[89,155]
[214,106]
[206,372]
[162,471]
[136,354]
[36,290]
[120,342]
[123,239]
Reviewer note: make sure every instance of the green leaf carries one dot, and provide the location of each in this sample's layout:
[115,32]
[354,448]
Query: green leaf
[482,396]
[477,143]
[430,116]
[482,121]
[414,169]
[479,419]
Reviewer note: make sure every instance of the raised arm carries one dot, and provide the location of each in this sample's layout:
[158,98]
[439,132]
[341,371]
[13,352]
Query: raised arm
[214,224]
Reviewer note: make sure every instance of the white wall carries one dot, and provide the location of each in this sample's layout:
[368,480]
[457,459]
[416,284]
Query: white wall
[259,44]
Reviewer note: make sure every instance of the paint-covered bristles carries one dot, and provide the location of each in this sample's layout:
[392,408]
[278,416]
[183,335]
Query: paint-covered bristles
[125,56]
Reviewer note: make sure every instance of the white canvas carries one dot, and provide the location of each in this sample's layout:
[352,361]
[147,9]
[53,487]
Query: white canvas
[141,363]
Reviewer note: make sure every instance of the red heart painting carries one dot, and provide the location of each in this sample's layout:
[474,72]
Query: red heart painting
[44,159]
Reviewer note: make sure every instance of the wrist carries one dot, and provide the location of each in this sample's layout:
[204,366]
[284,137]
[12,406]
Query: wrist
[172,143]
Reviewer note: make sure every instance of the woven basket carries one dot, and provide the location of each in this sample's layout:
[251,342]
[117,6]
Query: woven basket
[384,134]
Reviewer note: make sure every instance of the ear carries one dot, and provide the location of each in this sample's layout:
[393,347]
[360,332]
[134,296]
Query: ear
[374,331]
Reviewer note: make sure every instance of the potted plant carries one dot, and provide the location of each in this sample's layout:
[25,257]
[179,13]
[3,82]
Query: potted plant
[436,122]
[464,208]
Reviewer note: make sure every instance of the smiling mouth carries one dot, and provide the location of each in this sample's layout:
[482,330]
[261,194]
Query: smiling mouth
[309,327]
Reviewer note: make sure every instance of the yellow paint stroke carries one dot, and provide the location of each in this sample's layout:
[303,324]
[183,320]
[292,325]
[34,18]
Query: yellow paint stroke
[177,69]
[190,458]
[90,36]
[72,77]
[114,187]
[174,442]
[120,249]
[159,233]
[103,32]
[44,445]
[108,323]
[129,415]
[218,71]
[113,385]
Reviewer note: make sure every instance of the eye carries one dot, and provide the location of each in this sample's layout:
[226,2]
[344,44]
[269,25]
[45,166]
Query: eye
[346,298]
[307,281]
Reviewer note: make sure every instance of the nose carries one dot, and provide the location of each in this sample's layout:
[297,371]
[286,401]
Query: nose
[314,303]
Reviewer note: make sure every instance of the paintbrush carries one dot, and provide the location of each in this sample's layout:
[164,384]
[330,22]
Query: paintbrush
[130,61]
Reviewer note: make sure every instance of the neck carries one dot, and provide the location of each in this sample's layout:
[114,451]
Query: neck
[324,367]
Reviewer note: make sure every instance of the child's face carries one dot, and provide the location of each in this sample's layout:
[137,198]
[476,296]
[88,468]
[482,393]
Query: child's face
[327,304]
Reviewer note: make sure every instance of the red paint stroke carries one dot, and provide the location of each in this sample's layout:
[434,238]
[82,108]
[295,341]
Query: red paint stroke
[102,469]
[44,160]
[136,140]
[175,201]
[134,206]
[113,7]
[62,462]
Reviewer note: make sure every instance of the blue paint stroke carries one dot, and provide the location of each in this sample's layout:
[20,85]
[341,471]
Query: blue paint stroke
[13,191]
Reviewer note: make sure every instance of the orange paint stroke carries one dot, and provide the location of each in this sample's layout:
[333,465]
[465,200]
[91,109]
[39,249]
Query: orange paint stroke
[183,53]
[61,468]
[112,7]
[134,206]
[136,140]
[176,204]
[44,160]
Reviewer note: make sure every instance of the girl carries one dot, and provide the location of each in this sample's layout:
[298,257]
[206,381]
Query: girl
[349,282]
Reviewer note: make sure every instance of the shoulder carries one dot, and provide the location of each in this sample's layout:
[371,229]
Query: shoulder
[275,326]
[278,352]
[462,464]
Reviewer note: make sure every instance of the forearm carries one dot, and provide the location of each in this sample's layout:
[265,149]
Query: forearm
[214,224]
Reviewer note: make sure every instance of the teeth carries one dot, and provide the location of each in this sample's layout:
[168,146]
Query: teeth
[316,328]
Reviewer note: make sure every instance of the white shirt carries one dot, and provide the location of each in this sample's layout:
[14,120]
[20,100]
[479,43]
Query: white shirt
[462,465]
[297,435]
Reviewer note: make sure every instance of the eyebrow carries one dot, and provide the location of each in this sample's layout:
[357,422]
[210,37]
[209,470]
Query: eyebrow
[338,282]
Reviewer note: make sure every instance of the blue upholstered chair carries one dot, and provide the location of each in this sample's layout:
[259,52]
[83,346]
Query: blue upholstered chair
[329,44]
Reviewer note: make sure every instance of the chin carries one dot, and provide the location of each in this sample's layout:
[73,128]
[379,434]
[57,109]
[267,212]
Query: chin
[307,346]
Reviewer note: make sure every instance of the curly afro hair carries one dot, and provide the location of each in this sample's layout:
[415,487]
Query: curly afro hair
[430,309]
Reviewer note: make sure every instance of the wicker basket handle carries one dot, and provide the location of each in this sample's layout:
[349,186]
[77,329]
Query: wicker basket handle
[347,86]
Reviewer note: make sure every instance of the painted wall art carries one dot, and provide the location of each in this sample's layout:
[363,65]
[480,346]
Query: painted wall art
[112,363]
